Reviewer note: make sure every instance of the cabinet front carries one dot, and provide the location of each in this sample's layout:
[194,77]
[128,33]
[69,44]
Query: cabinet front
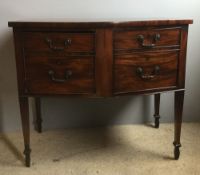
[145,71]
[59,62]
[146,59]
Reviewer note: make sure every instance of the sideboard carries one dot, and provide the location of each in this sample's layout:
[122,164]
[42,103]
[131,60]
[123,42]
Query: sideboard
[100,59]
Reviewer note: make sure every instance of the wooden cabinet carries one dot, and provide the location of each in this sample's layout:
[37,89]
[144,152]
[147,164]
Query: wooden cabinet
[100,59]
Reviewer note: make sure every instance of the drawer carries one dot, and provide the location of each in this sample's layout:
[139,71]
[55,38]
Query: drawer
[145,71]
[60,42]
[46,75]
[147,38]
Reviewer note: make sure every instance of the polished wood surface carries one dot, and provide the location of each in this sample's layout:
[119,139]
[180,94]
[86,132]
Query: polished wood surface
[62,42]
[58,25]
[128,39]
[104,63]
[127,79]
[100,59]
[80,78]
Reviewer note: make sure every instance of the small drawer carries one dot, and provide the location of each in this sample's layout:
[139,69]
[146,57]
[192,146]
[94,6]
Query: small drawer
[145,71]
[46,75]
[146,38]
[60,42]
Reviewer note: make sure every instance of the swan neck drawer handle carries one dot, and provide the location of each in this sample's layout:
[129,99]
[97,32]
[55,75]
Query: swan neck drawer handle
[140,39]
[66,43]
[67,76]
[142,75]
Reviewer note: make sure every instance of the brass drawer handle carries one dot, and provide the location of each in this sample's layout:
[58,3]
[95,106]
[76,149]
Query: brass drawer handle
[58,48]
[67,75]
[140,38]
[144,76]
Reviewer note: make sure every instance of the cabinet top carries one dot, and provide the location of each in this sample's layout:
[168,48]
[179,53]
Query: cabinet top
[74,23]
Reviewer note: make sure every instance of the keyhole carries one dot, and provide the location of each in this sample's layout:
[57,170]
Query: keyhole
[59,62]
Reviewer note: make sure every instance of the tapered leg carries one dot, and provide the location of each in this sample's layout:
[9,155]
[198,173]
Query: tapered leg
[157,109]
[24,109]
[38,122]
[179,98]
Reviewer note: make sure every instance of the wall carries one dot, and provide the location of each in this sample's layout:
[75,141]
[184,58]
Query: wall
[70,112]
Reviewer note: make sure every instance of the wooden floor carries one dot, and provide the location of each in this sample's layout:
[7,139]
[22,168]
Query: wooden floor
[118,150]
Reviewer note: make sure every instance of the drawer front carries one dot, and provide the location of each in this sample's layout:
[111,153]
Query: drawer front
[145,71]
[61,42]
[146,38]
[46,75]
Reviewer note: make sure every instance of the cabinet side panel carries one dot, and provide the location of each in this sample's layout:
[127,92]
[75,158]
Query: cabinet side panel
[19,57]
[182,57]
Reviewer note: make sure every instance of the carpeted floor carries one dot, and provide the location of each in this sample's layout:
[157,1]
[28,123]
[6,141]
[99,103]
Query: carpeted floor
[118,150]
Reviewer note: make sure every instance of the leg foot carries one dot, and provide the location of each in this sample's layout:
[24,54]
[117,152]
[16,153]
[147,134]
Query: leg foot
[176,151]
[157,109]
[27,153]
[179,98]
[38,121]
[23,101]
[157,122]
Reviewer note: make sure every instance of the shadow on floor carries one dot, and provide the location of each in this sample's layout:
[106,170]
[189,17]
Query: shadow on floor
[13,149]
[90,143]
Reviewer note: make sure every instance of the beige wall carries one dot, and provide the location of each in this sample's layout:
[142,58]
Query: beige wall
[66,112]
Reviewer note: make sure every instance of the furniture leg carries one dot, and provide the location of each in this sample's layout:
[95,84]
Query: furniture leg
[24,109]
[179,99]
[38,122]
[157,109]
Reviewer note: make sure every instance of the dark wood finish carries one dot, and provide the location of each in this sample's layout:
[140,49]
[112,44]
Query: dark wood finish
[104,62]
[130,39]
[19,56]
[62,42]
[59,25]
[182,54]
[127,78]
[157,109]
[80,80]
[179,98]
[38,121]
[100,59]
[24,109]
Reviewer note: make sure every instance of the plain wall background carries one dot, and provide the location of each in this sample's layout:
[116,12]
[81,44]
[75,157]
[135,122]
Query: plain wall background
[71,112]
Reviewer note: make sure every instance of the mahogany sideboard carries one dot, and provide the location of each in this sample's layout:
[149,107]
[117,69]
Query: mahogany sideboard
[100,59]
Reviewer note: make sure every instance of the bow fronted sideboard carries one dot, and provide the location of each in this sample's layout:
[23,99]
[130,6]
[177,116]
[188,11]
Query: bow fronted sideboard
[100,59]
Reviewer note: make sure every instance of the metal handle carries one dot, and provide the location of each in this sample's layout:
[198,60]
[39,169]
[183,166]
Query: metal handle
[58,48]
[67,75]
[156,37]
[144,76]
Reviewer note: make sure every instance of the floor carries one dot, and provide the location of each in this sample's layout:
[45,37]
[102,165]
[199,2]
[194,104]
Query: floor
[118,150]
